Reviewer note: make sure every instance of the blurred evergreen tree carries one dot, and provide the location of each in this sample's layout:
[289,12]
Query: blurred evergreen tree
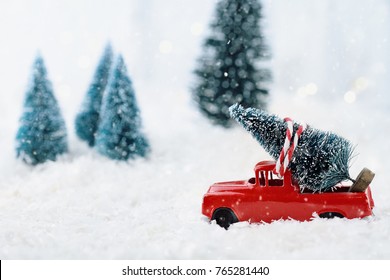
[42,133]
[87,120]
[119,134]
[229,71]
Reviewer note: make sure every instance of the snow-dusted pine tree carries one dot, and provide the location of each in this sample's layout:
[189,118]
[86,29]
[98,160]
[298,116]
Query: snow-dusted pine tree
[229,70]
[119,134]
[42,133]
[87,120]
[320,159]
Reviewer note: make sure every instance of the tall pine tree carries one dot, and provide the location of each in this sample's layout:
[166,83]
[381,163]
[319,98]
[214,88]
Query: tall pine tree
[87,120]
[229,70]
[119,134]
[42,132]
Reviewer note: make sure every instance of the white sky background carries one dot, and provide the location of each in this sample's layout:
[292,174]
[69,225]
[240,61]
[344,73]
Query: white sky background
[336,52]
[157,38]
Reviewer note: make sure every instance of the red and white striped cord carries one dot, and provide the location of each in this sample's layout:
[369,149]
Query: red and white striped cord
[288,148]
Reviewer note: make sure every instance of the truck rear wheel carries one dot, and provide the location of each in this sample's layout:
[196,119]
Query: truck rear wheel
[331,215]
[224,217]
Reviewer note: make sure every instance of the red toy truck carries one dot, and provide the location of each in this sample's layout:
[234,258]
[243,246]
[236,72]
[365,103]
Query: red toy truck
[266,198]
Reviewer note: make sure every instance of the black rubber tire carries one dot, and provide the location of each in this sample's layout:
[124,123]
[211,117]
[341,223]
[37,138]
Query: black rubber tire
[331,215]
[224,218]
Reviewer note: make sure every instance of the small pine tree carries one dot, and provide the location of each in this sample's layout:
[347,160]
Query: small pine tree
[229,71]
[320,159]
[87,120]
[119,136]
[42,132]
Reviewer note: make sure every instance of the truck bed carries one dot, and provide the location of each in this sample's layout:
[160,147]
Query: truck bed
[339,189]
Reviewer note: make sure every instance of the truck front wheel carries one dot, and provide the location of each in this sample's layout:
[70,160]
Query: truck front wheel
[331,215]
[224,217]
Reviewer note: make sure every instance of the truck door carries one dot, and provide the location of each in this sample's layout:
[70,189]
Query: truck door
[271,197]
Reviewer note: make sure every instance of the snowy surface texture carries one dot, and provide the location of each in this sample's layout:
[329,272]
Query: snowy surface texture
[331,64]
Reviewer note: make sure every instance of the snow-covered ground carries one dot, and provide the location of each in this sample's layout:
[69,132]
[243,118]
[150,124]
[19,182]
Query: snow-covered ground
[330,64]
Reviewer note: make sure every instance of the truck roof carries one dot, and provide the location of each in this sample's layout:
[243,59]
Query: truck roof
[267,165]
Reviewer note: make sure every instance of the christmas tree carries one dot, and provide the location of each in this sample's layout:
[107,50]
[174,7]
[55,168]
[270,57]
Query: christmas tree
[119,134]
[320,159]
[87,120]
[42,132]
[229,71]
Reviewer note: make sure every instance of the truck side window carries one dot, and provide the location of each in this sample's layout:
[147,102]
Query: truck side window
[274,182]
[262,178]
